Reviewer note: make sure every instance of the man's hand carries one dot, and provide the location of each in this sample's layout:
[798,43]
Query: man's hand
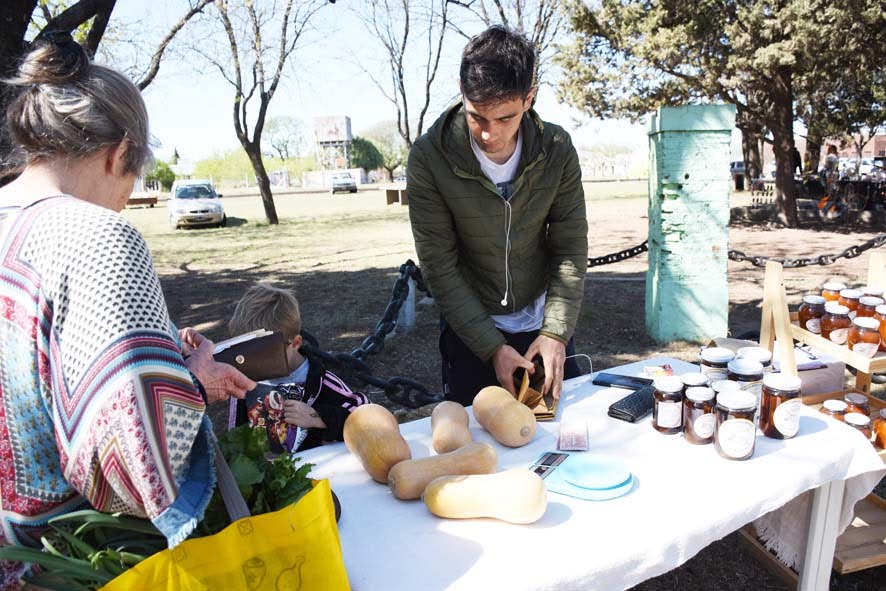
[296,412]
[553,356]
[220,380]
[506,360]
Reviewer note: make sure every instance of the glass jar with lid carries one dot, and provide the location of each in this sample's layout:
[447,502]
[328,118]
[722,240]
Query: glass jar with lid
[867,306]
[880,429]
[850,298]
[876,292]
[735,433]
[836,409]
[831,291]
[667,411]
[861,423]
[748,373]
[864,336]
[698,415]
[810,313]
[714,362]
[857,402]
[780,406]
[761,354]
[835,323]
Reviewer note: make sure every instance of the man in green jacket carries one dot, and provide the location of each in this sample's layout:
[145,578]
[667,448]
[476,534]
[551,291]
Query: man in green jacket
[498,215]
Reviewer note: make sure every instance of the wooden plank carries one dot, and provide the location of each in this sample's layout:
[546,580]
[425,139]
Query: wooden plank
[404,197]
[821,539]
[770,282]
[747,536]
[877,270]
[391,195]
[781,319]
[841,352]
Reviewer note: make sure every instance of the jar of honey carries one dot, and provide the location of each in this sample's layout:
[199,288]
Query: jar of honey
[850,298]
[761,354]
[864,336]
[857,403]
[861,423]
[880,315]
[714,362]
[698,415]
[667,411]
[835,323]
[831,291]
[748,373]
[810,313]
[735,433]
[876,292]
[880,429]
[780,406]
[867,305]
[836,409]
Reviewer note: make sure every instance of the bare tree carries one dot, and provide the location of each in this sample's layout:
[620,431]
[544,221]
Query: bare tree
[255,66]
[404,27]
[286,136]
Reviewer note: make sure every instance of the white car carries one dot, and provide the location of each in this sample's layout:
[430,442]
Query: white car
[195,203]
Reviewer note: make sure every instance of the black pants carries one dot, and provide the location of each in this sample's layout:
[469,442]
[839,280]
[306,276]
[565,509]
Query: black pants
[465,374]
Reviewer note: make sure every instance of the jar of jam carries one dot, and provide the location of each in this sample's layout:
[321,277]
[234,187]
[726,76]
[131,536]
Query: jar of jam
[867,306]
[749,375]
[857,403]
[724,385]
[880,429]
[698,415]
[780,406]
[735,433]
[810,313]
[714,361]
[831,291]
[835,323]
[880,315]
[761,354]
[694,379]
[864,336]
[667,411]
[876,292]
[850,298]
[860,423]
[836,409]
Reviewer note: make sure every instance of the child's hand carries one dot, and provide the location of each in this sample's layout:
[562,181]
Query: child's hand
[301,415]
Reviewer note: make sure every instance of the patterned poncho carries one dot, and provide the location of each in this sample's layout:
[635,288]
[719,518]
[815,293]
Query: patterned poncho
[96,405]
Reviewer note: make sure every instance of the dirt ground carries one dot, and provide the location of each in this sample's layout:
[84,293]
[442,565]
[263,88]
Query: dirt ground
[341,254]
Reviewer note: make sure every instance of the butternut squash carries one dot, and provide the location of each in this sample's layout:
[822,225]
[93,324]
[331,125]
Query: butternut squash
[449,427]
[509,422]
[372,433]
[515,496]
[409,478]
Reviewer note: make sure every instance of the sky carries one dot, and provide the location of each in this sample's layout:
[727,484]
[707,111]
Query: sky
[190,104]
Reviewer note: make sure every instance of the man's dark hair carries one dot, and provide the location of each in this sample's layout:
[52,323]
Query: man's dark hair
[498,64]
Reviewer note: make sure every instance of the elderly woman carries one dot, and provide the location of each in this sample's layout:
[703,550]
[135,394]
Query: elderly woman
[98,405]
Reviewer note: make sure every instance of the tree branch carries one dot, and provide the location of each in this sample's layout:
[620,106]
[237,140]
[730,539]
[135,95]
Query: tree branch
[154,68]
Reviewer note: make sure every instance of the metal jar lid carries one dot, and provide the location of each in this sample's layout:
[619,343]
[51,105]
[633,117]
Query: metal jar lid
[699,394]
[866,322]
[668,384]
[814,300]
[837,406]
[783,382]
[760,354]
[737,400]
[695,378]
[871,301]
[851,294]
[725,385]
[745,367]
[856,419]
[835,308]
[834,286]
[717,355]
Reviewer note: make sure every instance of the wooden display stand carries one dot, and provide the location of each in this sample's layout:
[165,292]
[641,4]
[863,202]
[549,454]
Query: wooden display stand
[863,544]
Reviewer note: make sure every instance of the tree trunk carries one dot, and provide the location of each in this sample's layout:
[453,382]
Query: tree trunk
[750,147]
[782,127]
[15,15]
[264,183]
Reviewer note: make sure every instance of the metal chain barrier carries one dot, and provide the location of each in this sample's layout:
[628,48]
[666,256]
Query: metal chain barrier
[823,259]
[619,256]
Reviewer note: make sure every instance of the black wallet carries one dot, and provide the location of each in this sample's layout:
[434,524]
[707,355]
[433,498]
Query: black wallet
[260,355]
[634,406]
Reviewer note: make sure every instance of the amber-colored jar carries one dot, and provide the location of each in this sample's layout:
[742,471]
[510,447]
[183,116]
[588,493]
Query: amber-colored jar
[880,315]
[880,429]
[831,291]
[810,313]
[780,406]
[749,375]
[861,423]
[876,292]
[867,306]
[699,419]
[835,409]
[857,403]
[850,298]
[835,323]
[864,336]
[714,361]
[735,434]
[667,411]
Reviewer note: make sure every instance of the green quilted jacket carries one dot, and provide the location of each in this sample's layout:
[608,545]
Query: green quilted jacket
[459,225]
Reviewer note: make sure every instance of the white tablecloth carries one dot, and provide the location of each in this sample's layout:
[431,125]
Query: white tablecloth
[685,498]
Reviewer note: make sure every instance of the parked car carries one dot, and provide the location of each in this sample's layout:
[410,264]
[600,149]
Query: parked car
[736,167]
[343,182]
[400,179]
[195,203]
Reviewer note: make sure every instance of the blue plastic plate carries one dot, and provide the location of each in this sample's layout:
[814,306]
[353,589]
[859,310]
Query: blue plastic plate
[593,472]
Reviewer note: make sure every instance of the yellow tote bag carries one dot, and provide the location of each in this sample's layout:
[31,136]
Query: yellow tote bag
[293,549]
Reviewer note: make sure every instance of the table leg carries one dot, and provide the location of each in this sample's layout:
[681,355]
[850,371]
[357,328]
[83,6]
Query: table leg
[821,540]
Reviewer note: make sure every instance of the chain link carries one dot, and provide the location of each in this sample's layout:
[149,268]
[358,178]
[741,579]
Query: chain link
[822,259]
[619,256]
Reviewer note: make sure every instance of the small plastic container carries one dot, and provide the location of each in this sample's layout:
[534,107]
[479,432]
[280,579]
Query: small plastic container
[864,336]
[831,291]
[810,313]
[699,420]
[735,434]
[761,354]
[667,410]
[780,406]
[715,361]
[836,409]
[850,298]
[835,323]
[861,423]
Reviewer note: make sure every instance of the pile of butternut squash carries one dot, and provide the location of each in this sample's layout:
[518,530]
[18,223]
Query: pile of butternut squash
[461,480]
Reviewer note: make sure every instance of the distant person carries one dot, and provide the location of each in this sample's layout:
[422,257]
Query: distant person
[104,400]
[498,216]
[315,403]
[797,161]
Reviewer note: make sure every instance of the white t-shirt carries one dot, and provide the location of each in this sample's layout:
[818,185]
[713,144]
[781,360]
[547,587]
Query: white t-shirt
[532,316]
